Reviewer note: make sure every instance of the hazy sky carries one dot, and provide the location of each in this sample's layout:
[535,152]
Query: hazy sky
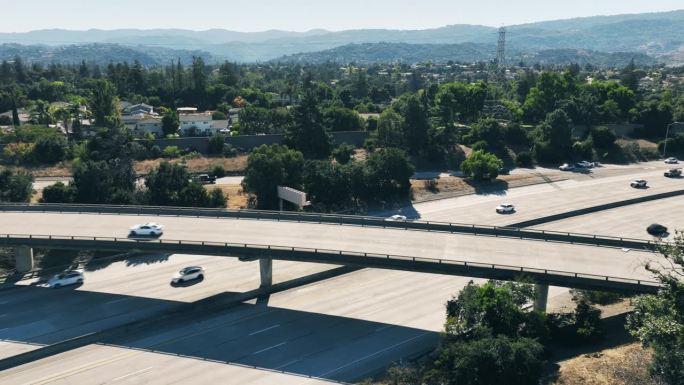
[301,15]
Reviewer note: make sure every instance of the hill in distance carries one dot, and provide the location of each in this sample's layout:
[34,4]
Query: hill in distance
[370,53]
[656,34]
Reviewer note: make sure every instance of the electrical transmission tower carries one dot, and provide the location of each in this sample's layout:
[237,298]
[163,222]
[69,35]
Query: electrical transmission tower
[501,49]
[497,74]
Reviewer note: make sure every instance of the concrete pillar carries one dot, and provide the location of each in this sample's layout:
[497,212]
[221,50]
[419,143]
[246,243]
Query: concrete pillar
[541,295]
[23,258]
[266,271]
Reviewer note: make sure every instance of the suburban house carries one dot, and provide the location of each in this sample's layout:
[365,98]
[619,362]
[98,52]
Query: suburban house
[141,108]
[195,124]
[149,125]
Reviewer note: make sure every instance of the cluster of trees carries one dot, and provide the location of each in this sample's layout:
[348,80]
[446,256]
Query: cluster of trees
[15,186]
[330,185]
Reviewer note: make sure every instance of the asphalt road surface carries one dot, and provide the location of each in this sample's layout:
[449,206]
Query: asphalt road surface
[32,315]
[546,199]
[343,329]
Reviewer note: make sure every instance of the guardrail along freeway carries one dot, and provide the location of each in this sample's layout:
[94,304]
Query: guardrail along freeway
[382,261]
[512,232]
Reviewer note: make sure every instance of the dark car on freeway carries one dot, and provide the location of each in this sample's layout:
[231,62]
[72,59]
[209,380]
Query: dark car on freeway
[206,179]
[656,229]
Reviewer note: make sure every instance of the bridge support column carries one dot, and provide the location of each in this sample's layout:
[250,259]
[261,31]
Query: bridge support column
[266,271]
[23,258]
[541,296]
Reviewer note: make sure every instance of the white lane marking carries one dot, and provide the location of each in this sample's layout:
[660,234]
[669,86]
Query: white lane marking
[269,348]
[116,300]
[383,328]
[263,330]
[287,364]
[2,330]
[372,354]
[133,374]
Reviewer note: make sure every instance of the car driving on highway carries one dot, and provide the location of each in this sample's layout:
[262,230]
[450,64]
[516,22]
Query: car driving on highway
[149,228]
[656,229]
[585,164]
[673,173]
[505,208]
[395,218]
[639,183]
[566,167]
[71,277]
[671,160]
[187,274]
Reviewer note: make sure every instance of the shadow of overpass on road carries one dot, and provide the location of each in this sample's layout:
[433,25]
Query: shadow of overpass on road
[257,336]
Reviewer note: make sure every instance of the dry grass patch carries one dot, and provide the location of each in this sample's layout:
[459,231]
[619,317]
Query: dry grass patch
[624,365]
[196,165]
[237,199]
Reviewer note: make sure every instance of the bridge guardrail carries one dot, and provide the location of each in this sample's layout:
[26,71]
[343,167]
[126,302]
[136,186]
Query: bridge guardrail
[370,221]
[302,254]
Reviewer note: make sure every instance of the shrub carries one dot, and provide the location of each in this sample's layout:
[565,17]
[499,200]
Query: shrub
[480,145]
[171,152]
[481,165]
[218,115]
[218,171]
[50,149]
[156,152]
[524,159]
[229,151]
[603,137]
[58,193]
[216,144]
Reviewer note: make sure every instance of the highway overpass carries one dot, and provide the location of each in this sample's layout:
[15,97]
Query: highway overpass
[560,259]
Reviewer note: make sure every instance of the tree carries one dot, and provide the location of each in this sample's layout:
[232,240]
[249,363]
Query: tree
[308,133]
[489,360]
[481,165]
[15,186]
[416,125]
[343,153]
[342,119]
[170,123]
[658,320]
[603,137]
[390,132]
[488,130]
[104,104]
[110,181]
[269,167]
[389,172]
[50,149]
[172,185]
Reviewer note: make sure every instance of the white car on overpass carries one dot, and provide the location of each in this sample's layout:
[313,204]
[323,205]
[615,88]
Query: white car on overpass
[149,228]
[505,208]
[396,218]
[71,277]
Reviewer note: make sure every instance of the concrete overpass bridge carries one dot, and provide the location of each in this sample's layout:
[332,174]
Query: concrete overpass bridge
[548,258]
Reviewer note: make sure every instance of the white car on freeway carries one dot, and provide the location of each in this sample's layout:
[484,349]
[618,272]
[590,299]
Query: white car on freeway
[71,277]
[395,218]
[585,164]
[671,160]
[505,208]
[147,229]
[566,167]
[639,183]
[187,274]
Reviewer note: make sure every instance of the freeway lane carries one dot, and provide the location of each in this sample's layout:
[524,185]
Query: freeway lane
[505,251]
[345,328]
[629,221]
[546,199]
[124,291]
